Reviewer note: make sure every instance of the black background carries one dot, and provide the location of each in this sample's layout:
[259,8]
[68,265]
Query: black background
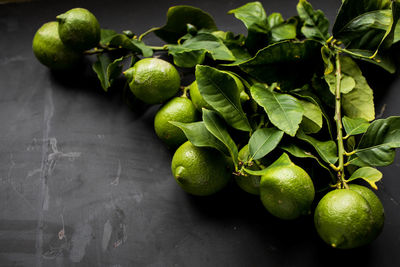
[72,154]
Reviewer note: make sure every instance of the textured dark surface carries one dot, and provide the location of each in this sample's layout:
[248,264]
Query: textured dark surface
[75,158]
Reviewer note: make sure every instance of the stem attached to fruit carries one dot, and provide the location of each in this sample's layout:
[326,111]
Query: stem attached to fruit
[339,126]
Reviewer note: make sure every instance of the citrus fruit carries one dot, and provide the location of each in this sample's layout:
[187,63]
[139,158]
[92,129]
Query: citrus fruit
[178,109]
[153,80]
[377,210]
[286,190]
[79,29]
[249,183]
[50,50]
[199,101]
[344,218]
[200,171]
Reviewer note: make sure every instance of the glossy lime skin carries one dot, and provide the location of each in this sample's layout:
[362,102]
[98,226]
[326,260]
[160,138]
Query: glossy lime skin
[153,80]
[378,213]
[179,109]
[50,50]
[79,29]
[200,171]
[249,183]
[197,99]
[343,219]
[287,192]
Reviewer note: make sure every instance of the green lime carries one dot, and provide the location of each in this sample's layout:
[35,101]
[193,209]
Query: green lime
[199,101]
[249,183]
[377,210]
[200,171]
[343,219]
[153,80]
[79,29]
[178,109]
[50,50]
[286,191]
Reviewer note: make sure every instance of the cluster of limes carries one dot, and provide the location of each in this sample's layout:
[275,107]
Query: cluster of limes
[344,218]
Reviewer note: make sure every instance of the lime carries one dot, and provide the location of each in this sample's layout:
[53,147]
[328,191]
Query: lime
[199,101]
[79,29]
[344,219]
[378,213]
[50,50]
[153,80]
[178,109]
[200,171]
[286,191]
[249,183]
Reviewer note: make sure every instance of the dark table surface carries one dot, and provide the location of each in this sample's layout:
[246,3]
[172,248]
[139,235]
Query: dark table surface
[77,159]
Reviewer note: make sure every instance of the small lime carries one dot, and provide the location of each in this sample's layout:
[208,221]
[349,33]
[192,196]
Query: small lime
[343,219]
[79,29]
[153,80]
[286,191]
[178,109]
[200,171]
[50,50]
[249,183]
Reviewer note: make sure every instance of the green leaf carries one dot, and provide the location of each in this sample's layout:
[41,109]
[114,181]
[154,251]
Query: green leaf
[254,18]
[219,90]
[198,135]
[367,24]
[281,29]
[264,141]
[355,126]
[286,62]
[216,126]
[326,149]
[284,111]
[347,83]
[193,50]
[106,35]
[377,145]
[301,153]
[177,19]
[316,25]
[122,41]
[283,160]
[382,59]
[312,118]
[359,103]
[368,174]
[107,70]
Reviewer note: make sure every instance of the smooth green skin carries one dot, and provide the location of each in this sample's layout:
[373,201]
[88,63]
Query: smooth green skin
[153,80]
[50,50]
[200,171]
[199,101]
[287,192]
[343,219]
[79,29]
[249,183]
[179,109]
[377,210]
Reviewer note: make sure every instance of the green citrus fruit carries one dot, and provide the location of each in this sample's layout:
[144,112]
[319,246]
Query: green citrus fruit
[344,219]
[286,190]
[199,101]
[50,50]
[200,171]
[153,80]
[178,109]
[79,29]
[249,183]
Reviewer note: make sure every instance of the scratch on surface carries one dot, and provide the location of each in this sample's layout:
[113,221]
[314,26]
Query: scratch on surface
[119,170]
[381,112]
[107,231]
